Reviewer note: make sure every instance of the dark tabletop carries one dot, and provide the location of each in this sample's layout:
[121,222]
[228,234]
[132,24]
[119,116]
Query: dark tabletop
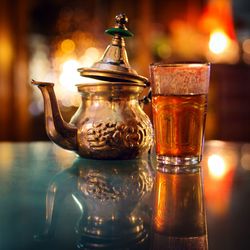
[52,199]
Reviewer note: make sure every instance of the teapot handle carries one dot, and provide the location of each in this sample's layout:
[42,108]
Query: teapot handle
[146,98]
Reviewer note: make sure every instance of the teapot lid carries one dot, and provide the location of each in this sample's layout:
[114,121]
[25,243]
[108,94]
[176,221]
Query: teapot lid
[113,65]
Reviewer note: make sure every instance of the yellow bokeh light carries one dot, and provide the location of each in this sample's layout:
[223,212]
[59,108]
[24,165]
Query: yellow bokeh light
[67,62]
[68,78]
[217,167]
[93,53]
[6,50]
[90,56]
[67,46]
[70,65]
[218,42]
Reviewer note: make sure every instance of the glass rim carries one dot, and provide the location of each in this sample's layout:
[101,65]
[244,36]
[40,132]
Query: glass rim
[181,64]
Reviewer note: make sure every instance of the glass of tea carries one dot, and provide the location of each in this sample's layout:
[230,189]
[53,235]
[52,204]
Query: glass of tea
[179,104]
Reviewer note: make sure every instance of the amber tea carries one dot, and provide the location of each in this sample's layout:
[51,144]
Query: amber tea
[179,124]
[179,111]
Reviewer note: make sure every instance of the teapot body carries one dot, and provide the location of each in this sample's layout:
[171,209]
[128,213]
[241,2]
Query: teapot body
[110,122]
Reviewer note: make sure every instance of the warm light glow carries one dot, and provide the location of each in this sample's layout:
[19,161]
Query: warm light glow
[164,50]
[245,158]
[70,65]
[222,49]
[67,79]
[67,46]
[218,42]
[6,51]
[90,56]
[133,218]
[69,75]
[39,69]
[245,161]
[61,67]
[216,166]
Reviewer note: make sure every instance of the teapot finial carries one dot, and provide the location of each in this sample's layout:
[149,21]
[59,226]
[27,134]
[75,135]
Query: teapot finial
[120,27]
[121,20]
[114,66]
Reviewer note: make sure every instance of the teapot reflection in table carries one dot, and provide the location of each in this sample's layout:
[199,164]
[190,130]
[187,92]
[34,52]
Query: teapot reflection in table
[113,200]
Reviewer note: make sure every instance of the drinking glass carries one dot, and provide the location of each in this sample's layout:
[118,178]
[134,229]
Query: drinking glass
[179,104]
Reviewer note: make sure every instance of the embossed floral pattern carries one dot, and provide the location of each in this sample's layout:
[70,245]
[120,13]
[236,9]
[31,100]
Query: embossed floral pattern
[104,135]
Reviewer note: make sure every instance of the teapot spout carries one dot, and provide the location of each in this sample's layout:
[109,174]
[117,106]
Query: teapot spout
[59,131]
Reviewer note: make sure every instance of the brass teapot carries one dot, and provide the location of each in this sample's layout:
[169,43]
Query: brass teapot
[110,122]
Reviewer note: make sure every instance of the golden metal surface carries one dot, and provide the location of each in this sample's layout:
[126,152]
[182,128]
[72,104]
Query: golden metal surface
[114,65]
[113,76]
[109,124]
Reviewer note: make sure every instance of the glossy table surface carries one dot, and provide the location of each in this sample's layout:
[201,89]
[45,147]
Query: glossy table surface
[51,199]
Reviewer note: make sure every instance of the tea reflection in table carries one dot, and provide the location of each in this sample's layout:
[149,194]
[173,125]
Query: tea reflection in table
[179,219]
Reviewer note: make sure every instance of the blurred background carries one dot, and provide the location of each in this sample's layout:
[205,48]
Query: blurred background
[47,40]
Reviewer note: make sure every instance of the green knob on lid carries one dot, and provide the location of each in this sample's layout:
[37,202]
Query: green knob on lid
[120,28]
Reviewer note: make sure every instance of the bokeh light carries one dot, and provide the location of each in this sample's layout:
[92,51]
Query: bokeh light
[69,75]
[222,49]
[90,56]
[59,64]
[245,156]
[216,166]
[67,46]
[218,42]
[246,46]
